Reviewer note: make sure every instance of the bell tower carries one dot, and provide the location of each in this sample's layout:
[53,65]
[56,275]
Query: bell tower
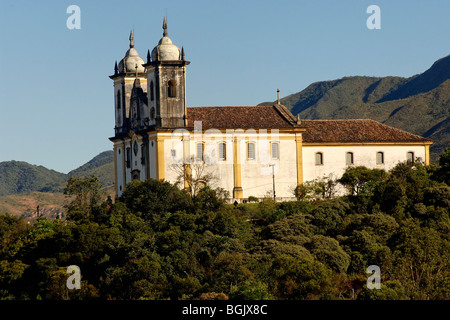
[126,74]
[166,83]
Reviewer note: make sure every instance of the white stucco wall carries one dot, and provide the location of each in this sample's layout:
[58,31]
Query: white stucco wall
[334,158]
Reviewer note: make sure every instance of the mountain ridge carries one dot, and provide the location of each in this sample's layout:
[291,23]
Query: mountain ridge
[419,104]
[20,177]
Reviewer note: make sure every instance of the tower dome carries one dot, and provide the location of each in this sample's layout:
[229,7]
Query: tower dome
[131,59]
[165,50]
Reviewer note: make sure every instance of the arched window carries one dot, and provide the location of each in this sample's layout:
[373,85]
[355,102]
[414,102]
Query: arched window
[349,158]
[380,157]
[319,158]
[171,92]
[152,93]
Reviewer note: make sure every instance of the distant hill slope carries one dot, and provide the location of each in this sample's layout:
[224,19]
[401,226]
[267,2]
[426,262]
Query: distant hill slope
[101,166]
[419,104]
[18,177]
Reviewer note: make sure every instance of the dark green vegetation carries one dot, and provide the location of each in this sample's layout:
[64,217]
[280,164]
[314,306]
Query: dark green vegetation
[20,177]
[157,242]
[419,104]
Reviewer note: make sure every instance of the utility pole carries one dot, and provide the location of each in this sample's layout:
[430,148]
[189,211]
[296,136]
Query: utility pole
[273,178]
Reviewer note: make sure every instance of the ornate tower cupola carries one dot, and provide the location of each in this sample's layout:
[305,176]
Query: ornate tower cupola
[126,73]
[166,83]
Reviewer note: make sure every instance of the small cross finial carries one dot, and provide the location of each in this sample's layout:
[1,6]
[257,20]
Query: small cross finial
[165,27]
[131,39]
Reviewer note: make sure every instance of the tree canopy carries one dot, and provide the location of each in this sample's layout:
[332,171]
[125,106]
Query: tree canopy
[159,242]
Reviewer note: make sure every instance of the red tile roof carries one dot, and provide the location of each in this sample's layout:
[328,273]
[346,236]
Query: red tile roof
[354,131]
[258,117]
[317,131]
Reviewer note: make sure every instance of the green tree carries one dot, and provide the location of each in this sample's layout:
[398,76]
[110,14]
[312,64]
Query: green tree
[86,198]
[153,197]
[299,279]
[361,180]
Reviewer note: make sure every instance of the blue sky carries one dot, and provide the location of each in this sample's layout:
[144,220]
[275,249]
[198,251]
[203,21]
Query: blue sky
[56,98]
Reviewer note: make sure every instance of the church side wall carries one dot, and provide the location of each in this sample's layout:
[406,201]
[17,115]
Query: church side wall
[334,158]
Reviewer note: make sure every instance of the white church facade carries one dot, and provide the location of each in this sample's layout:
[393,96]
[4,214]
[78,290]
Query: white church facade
[246,150]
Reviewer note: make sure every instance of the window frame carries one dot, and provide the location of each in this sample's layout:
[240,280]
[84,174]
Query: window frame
[382,157]
[349,153]
[224,149]
[248,150]
[321,158]
[413,156]
[171,89]
[201,158]
[152,92]
[278,150]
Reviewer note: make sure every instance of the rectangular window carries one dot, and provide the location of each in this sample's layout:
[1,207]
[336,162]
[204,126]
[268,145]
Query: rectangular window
[349,158]
[142,154]
[199,152]
[319,158]
[275,150]
[222,151]
[251,151]
[380,157]
[128,159]
[410,157]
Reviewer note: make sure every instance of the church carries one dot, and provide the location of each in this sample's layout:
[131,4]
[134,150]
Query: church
[247,151]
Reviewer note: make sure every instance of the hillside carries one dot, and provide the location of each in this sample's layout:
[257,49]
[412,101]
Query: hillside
[20,177]
[23,186]
[419,104]
[101,166]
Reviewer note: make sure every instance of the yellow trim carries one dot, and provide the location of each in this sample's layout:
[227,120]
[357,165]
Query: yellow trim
[187,161]
[299,153]
[238,193]
[147,162]
[160,170]
[427,155]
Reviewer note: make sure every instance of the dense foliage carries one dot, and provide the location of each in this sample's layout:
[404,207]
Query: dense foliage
[157,242]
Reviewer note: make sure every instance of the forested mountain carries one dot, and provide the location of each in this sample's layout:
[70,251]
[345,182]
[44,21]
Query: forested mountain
[18,177]
[101,166]
[419,104]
